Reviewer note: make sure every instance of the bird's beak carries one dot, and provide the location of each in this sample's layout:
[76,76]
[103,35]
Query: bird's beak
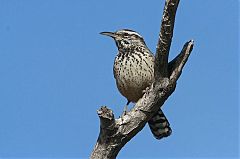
[111,34]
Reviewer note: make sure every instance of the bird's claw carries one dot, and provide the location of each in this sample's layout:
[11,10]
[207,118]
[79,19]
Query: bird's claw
[124,110]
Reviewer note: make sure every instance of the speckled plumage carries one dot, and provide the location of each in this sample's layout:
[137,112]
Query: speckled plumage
[134,71]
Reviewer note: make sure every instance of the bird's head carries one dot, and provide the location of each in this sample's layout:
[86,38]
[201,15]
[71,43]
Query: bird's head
[126,39]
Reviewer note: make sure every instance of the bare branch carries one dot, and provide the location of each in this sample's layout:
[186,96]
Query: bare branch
[115,133]
[177,64]
[165,39]
[103,148]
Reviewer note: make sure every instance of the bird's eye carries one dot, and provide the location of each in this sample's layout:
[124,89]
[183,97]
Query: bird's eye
[126,42]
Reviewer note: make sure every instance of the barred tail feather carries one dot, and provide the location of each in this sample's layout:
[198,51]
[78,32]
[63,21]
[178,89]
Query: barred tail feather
[159,125]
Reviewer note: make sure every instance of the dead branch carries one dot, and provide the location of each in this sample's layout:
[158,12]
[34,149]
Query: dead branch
[115,133]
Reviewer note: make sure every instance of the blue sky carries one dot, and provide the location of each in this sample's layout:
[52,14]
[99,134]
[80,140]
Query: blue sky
[56,71]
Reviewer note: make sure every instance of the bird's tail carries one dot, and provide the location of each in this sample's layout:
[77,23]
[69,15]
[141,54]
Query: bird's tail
[159,125]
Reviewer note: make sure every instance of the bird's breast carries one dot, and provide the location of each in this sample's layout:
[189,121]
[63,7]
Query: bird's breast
[133,73]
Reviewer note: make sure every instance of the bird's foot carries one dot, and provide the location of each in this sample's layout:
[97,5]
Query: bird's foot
[124,111]
[146,89]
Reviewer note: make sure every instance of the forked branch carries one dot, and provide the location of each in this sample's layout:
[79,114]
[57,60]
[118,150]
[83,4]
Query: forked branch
[115,133]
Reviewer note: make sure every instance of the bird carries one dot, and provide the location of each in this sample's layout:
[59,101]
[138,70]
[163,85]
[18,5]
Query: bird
[133,71]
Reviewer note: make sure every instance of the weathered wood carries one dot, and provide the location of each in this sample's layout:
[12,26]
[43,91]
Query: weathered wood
[115,133]
[165,39]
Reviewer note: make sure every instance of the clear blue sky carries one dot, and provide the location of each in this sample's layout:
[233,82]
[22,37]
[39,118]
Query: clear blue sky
[56,71]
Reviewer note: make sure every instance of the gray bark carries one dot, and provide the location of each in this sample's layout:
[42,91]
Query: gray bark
[115,133]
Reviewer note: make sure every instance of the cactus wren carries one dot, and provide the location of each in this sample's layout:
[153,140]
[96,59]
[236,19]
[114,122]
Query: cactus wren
[134,71]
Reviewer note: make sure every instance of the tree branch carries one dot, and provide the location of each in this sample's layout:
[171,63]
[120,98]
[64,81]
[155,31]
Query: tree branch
[115,133]
[165,39]
[176,65]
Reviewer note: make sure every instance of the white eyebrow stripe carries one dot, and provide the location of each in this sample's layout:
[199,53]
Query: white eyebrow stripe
[131,33]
